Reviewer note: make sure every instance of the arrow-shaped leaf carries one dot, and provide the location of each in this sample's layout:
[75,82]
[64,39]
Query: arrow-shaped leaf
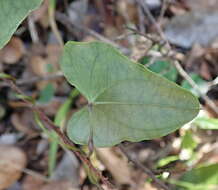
[126,101]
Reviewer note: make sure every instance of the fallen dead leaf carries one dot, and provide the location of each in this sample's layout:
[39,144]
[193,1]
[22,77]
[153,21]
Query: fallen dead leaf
[24,122]
[38,65]
[13,51]
[57,185]
[148,186]
[127,10]
[202,4]
[53,55]
[177,9]
[118,168]
[32,183]
[12,162]
[41,14]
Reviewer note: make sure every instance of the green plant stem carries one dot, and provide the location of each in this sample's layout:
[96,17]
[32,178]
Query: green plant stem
[53,24]
[59,120]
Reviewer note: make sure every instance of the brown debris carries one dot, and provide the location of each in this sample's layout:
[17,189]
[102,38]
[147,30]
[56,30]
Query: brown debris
[12,162]
[13,51]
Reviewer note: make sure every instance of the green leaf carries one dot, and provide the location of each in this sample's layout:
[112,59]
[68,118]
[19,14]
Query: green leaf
[6,76]
[12,13]
[59,120]
[162,67]
[206,123]
[64,109]
[126,101]
[206,176]
[46,94]
[167,160]
[188,141]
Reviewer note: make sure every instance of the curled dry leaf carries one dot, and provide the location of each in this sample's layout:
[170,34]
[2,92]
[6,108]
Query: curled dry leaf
[13,51]
[12,162]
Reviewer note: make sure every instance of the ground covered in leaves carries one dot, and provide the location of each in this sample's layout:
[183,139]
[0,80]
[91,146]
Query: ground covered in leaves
[31,158]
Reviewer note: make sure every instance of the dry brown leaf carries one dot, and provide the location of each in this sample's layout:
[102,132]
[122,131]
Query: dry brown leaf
[148,186]
[88,39]
[205,71]
[12,162]
[38,65]
[118,167]
[13,51]
[41,14]
[202,4]
[177,9]
[58,185]
[128,10]
[24,122]
[32,183]
[53,54]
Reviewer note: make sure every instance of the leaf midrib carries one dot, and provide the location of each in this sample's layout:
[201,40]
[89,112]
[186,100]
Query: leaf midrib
[144,104]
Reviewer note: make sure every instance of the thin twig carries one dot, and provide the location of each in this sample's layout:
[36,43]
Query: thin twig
[153,39]
[51,126]
[158,182]
[163,9]
[32,29]
[36,79]
[150,17]
[185,75]
[35,174]
[141,19]
[63,19]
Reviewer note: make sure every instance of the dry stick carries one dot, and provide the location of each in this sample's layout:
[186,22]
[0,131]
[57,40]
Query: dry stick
[143,168]
[149,37]
[32,28]
[50,125]
[150,17]
[32,80]
[163,9]
[182,72]
[63,19]
[195,86]
[141,19]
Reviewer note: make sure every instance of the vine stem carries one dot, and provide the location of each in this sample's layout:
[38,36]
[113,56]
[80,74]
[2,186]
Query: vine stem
[69,144]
